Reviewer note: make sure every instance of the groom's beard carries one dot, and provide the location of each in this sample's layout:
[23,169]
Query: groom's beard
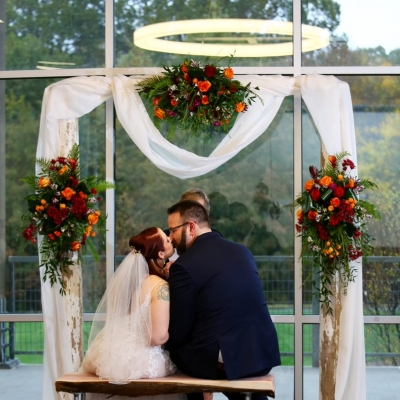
[181,246]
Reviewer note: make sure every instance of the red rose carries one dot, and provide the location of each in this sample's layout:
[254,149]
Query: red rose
[334,220]
[357,234]
[204,86]
[57,215]
[72,162]
[79,208]
[29,232]
[322,232]
[311,215]
[315,194]
[339,192]
[210,71]
[74,181]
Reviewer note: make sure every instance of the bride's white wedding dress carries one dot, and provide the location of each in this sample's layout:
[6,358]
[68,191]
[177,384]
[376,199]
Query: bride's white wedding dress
[121,350]
[128,359]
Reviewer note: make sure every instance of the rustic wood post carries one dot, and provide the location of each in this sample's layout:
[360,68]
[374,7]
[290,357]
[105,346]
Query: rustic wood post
[68,134]
[329,342]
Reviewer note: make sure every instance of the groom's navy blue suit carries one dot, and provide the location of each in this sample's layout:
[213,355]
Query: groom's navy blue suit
[217,304]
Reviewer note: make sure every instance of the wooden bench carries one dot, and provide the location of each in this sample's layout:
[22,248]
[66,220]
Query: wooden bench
[80,383]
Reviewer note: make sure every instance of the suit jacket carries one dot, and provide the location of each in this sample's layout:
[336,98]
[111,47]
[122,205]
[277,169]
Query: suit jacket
[217,304]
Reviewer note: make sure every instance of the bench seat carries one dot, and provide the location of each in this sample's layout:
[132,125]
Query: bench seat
[80,383]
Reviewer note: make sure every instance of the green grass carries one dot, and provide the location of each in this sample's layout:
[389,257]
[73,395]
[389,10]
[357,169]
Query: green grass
[381,339]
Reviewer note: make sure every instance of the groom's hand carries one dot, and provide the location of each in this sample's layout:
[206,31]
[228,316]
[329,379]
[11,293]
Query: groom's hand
[166,269]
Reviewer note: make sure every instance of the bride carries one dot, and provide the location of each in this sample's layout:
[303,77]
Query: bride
[131,321]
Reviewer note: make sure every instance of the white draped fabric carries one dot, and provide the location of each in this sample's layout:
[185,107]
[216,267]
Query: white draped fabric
[329,102]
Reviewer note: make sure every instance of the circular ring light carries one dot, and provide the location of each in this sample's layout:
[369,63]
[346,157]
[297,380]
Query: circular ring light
[148,37]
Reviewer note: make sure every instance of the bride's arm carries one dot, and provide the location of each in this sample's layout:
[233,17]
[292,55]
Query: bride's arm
[160,313]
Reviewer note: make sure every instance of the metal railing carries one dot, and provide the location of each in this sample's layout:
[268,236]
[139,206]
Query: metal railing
[24,295]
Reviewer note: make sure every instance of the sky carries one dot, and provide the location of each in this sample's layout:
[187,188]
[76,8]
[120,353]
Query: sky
[371,23]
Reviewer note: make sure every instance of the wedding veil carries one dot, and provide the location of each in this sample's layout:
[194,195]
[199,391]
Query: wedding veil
[121,331]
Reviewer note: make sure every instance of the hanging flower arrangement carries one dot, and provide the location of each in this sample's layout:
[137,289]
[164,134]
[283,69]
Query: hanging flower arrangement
[64,210]
[196,98]
[332,223]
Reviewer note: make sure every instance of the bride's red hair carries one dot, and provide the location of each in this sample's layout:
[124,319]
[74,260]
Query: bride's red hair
[149,242]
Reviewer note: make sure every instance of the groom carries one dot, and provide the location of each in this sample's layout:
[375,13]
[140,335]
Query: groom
[220,327]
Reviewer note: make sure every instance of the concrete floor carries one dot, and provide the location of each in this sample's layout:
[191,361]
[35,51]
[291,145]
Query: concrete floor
[383,383]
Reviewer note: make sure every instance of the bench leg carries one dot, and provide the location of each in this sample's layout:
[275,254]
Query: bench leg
[79,396]
[247,396]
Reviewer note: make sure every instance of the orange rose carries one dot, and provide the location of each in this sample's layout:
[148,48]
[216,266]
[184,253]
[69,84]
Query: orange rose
[311,215]
[184,68]
[39,208]
[174,102]
[350,184]
[57,233]
[299,214]
[309,185]
[156,100]
[351,202]
[332,159]
[240,107]
[44,182]
[325,180]
[204,86]
[335,202]
[82,195]
[67,193]
[75,246]
[92,219]
[204,100]
[159,113]
[63,170]
[228,73]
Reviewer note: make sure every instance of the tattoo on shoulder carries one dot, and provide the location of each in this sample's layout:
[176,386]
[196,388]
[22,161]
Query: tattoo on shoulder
[163,292]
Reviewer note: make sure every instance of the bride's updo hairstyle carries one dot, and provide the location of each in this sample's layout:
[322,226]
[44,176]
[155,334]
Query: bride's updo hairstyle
[149,242]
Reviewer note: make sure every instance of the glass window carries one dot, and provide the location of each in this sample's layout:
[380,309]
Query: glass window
[49,35]
[247,197]
[362,33]
[284,375]
[376,120]
[128,19]
[311,361]
[382,346]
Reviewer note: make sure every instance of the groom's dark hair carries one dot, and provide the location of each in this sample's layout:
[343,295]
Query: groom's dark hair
[191,210]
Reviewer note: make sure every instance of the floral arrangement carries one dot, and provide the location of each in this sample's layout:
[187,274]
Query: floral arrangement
[332,222]
[195,97]
[64,211]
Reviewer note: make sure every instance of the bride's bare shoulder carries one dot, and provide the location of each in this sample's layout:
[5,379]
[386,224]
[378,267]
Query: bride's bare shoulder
[153,280]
